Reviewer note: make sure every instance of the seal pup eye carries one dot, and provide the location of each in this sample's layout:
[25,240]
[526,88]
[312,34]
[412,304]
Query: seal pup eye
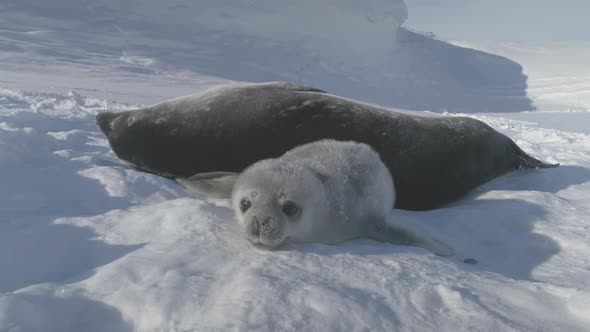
[245,205]
[290,208]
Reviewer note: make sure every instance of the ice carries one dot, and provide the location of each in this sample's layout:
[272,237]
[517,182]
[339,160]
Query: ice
[356,49]
[89,244]
[86,242]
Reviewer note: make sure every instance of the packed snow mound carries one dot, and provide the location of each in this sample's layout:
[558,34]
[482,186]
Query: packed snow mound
[87,243]
[317,24]
[351,48]
[553,85]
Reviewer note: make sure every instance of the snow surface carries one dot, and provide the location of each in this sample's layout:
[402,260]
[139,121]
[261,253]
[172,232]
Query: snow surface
[558,73]
[89,244]
[86,243]
[104,48]
[543,21]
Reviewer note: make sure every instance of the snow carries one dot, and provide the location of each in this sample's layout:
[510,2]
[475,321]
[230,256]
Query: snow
[503,20]
[89,244]
[356,49]
[558,73]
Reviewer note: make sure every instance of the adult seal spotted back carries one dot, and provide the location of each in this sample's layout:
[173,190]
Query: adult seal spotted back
[433,160]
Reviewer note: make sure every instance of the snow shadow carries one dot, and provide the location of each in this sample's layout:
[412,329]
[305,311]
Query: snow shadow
[40,170]
[54,253]
[545,180]
[33,249]
[44,175]
[48,312]
[498,233]
[435,75]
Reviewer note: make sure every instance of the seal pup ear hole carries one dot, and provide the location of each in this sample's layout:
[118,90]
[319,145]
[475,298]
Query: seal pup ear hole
[290,209]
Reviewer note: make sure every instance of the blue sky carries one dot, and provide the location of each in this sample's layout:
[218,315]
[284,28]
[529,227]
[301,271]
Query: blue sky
[503,20]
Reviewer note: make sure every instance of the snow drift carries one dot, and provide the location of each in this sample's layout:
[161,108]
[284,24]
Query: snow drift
[86,243]
[350,48]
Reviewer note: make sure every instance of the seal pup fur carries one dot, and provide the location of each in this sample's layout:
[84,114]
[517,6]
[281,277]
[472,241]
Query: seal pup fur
[326,191]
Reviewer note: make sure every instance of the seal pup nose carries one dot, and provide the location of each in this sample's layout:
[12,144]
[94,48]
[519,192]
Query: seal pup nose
[265,222]
[254,228]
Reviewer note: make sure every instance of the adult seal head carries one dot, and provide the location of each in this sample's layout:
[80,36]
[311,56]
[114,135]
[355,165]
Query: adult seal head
[326,191]
[434,159]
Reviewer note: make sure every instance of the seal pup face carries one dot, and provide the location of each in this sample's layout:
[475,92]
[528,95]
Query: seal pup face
[273,202]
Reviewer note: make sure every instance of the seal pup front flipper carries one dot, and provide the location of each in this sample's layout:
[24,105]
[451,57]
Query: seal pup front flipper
[212,185]
[401,235]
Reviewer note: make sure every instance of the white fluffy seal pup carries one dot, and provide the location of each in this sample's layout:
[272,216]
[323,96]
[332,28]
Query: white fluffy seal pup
[327,191]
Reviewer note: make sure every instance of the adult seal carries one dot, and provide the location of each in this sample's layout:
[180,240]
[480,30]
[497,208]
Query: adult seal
[433,160]
[327,191]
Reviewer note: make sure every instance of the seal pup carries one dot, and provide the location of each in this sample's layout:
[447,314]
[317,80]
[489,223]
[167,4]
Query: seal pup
[326,191]
[434,159]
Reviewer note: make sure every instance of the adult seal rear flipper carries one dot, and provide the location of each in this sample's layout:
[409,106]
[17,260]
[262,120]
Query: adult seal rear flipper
[212,185]
[533,163]
[525,161]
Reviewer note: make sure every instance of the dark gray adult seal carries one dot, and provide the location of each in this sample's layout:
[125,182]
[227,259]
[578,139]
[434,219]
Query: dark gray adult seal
[433,160]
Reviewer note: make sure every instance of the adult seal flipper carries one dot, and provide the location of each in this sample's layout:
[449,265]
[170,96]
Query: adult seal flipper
[528,162]
[433,159]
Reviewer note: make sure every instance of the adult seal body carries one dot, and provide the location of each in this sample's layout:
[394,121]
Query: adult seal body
[433,160]
[327,191]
